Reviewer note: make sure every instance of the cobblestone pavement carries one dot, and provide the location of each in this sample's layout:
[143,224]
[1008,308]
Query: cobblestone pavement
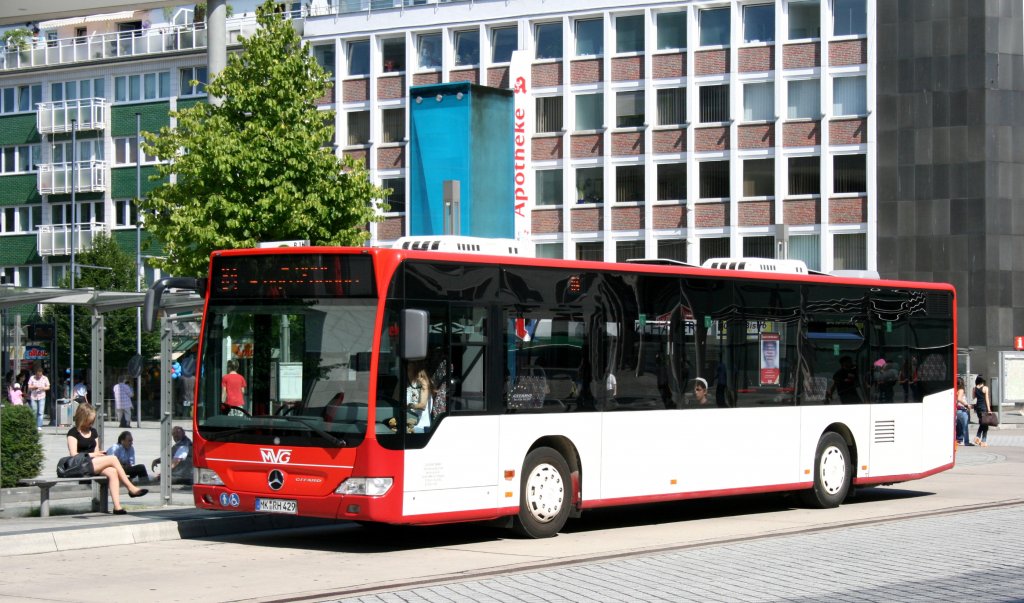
[956,557]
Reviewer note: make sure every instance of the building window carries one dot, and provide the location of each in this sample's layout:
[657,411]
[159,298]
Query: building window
[629,250]
[717,247]
[549,40]
[759,23]
[358,128]
[589,111]
[593,252]
[193,81]
[589,37]
[804,19]
[806,248]
[60,213]
[714,27]
[671,182]
[805,175]
[671,106]
[393,122]
[672,249]
[428,51]
[759,101]
[22,276]
[549,187]
[804,99]
[392,53]
[549,114]
[396,200]
[849,95]
[91,88]
[629,183]
[20,219]
[714,103]
[629,34]
[589,185]
[359,57]
[759,178]
[850,17]
[629,109]
[671,30]
[324,55]
[714,179]
[125,213]
[20,159]
[850,251]
[504,40]
[146,86]
[88,150]
[849,174]
[126,150]
[19,99]
[467,47]
[759,247]
[548,250]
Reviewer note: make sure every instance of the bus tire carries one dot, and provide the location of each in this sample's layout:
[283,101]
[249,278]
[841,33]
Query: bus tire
[545,494]
[833,473]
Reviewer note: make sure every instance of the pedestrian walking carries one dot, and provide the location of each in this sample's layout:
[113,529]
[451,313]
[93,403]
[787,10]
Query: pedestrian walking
[123,402]
[963,417]
[982,405]
[38,385]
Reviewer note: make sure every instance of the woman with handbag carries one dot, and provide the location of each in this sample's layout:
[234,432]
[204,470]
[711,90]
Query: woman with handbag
[982,405]
[84,439]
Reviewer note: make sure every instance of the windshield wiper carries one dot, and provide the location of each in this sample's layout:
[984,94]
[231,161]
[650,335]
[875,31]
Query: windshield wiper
[223,435]
[320,431]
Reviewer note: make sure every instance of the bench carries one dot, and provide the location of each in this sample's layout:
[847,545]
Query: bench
[100,491]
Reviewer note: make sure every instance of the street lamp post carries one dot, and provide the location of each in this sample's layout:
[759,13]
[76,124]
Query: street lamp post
[74,229]
[138,263]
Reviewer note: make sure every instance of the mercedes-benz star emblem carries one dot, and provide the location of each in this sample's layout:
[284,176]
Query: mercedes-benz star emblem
[275,479]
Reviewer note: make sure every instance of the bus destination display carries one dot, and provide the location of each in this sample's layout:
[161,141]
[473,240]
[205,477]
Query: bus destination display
[292,276]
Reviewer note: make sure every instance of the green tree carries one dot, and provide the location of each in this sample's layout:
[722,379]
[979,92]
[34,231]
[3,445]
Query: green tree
[259,166]
[119,325]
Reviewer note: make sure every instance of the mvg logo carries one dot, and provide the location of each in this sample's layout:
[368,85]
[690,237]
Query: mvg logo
[275,456]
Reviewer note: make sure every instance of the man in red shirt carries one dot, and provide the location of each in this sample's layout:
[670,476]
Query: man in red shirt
[232,386]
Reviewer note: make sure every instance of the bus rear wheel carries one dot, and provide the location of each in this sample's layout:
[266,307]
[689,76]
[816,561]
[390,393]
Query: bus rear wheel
[833,473]
[544,494]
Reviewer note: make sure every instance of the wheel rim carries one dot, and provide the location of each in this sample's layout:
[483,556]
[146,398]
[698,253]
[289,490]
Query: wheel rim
[833,470]
[545,492]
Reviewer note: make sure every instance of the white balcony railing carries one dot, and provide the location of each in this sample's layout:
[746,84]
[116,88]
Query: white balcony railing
[87,113]
[56,239]
[90,177]
[101,46]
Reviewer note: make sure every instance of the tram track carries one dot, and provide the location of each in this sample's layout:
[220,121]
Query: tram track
[562,562]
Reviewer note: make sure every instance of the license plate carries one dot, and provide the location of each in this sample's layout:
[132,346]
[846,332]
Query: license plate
[275,505]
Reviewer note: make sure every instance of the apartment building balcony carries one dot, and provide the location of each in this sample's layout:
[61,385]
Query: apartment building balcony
[89,177]
[55,239]
[61,116]
[101,46]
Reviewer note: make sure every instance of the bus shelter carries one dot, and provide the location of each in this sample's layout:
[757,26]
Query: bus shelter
[176,306]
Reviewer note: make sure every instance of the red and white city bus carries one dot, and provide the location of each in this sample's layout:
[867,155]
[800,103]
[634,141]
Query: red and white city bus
[410,386]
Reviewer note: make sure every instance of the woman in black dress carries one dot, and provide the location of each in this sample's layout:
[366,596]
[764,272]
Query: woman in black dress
[84,438]
[982,405]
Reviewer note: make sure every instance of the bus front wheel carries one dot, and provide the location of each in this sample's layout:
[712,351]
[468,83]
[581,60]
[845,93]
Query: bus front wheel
[833,473]
[544,494]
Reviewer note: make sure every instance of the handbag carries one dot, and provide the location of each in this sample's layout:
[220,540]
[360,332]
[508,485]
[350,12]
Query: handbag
[79,465]
[990,418]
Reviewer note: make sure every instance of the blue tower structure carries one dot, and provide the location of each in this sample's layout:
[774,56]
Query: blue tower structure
[461,131]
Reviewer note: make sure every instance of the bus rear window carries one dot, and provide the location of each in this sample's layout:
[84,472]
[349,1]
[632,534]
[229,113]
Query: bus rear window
[292,276]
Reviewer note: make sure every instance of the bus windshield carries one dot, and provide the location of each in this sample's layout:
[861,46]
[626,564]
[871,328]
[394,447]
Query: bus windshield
[293,372]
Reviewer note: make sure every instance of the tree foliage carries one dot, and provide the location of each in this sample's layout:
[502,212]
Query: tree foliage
[119,325]
[260,166]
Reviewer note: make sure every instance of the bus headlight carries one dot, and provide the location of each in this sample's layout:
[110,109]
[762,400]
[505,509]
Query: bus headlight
[365,486]
[207,477]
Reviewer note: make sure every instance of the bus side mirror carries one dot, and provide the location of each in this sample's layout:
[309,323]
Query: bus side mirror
[414,334]
[155,292]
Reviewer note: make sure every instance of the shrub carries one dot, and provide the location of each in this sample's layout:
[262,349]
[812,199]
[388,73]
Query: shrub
[21,452]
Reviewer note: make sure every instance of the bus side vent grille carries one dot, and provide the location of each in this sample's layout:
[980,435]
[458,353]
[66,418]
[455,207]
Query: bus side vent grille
[885,432]
[939,305]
